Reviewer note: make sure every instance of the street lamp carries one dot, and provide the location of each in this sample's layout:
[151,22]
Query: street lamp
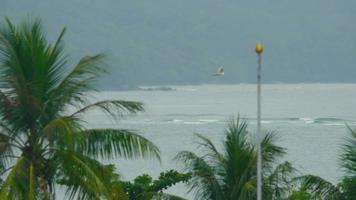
[259,50]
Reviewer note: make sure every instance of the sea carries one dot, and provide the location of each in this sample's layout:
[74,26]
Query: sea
[309,119]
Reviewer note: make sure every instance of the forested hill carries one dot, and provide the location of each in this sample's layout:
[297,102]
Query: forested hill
[153,42]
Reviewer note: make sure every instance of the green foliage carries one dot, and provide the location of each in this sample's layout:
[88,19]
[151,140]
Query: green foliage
[41,144]
[144,187]
[277,181]
[300,195]
[231,174]
[348,187]
[348,162]
[315,187]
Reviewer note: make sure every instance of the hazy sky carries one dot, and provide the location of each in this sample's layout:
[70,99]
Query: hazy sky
[164,41]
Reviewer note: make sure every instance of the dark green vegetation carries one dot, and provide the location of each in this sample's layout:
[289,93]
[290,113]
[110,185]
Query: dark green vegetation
[184,42]
[43,143]
[231,173]
[314,187]
[145,188]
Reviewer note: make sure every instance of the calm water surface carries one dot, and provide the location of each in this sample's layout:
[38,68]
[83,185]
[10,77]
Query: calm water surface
[309,119]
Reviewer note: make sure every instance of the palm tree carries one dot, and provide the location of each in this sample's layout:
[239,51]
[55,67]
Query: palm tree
[42,144]
[319,188]
[231,174]
[348,162]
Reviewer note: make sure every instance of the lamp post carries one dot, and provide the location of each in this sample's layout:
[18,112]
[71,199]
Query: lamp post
[259,50]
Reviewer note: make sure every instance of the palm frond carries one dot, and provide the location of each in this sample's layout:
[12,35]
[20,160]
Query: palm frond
[31,65]
[241,157]
[270,151]
[31,68]
[6,106]
[348,162]
[89,184]
[246,191]
[204,182]
[348,157]
[278,183]
[60,131]
[318,187]
[74,87]
[347,187]
[8,144]
[109,143]
[212,153]
[13,187]
[237,131]
[113,107]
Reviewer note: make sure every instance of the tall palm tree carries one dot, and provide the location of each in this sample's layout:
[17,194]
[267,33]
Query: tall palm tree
[42,144]
[230,174]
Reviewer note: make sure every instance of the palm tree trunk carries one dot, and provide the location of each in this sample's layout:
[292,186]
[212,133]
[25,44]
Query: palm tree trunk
[44,188]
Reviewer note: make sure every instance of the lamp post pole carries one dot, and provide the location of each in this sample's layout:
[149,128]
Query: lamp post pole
[259,50]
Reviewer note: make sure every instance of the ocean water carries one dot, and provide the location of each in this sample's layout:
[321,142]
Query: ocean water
[308,118]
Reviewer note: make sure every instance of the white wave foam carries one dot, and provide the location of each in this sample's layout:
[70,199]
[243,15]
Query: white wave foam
[209,120]
[307,120]
[334,124]
[176,121]
[193,123]
[186,89]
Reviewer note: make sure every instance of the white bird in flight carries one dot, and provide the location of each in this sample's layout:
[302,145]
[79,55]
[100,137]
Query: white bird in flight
[220,71]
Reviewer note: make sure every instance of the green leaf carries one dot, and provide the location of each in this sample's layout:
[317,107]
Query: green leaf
[81,175]
[107,143]
[113,107]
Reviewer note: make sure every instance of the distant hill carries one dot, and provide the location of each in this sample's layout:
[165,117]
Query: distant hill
[153,42]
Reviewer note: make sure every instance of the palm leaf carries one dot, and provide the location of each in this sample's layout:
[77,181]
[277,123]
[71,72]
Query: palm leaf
[204,182]
[240,165]
[278,183]
[213,155]
[318,187]
[31,68]
[270,151]
[348,162]
[348,157]
[113,107]
[13,186]
[107,143]
[74,88]
[86,186]
[6,106]
[347,186]
[60,132]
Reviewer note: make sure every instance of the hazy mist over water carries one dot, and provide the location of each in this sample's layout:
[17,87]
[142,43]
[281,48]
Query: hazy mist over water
[308,118]
[183,42]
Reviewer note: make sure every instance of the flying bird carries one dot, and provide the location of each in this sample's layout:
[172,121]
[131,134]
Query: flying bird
[220,72]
